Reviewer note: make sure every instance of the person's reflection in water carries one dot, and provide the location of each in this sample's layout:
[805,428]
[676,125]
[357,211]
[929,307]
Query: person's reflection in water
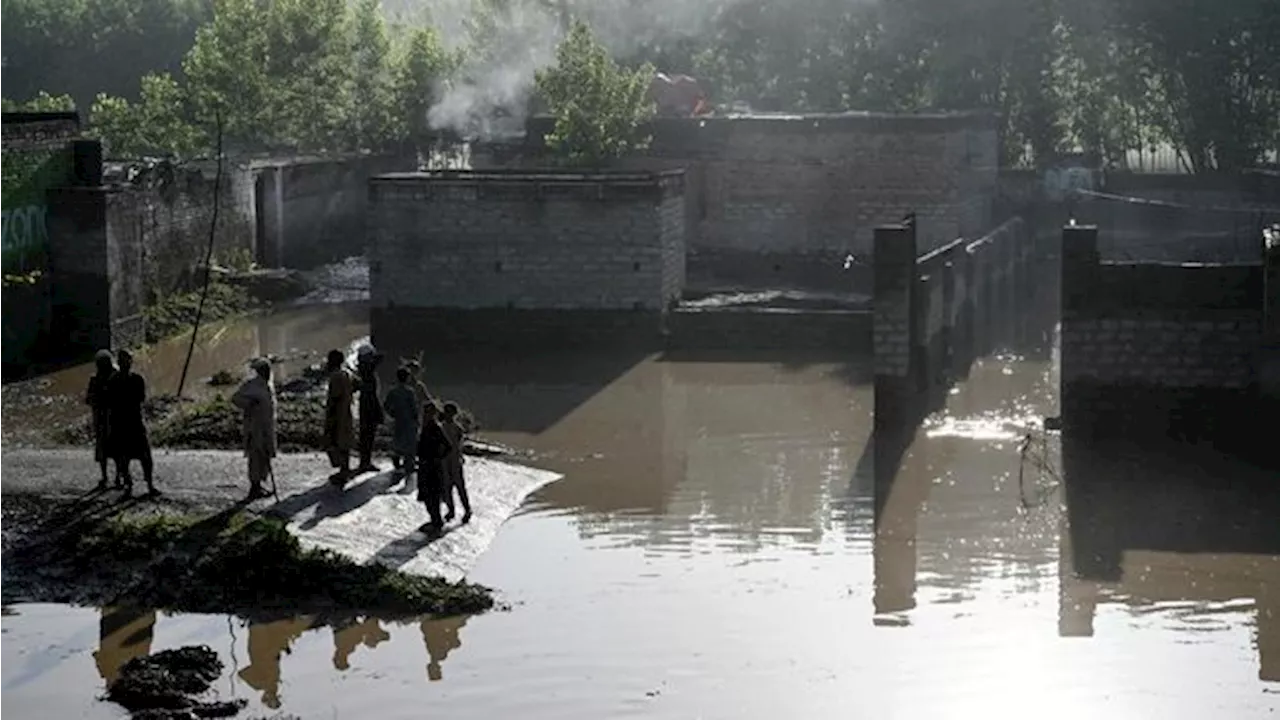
[345,640]
[440,635]
[267,643]
[123,634]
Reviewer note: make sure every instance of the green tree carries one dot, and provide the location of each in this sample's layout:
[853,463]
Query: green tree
[599,106]
[227,76]
[419,71]
[309,73]
[156,125]
[373,120]
[42,102]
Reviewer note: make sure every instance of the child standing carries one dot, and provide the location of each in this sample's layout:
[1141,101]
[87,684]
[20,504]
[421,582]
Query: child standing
[453,478]
[433,447]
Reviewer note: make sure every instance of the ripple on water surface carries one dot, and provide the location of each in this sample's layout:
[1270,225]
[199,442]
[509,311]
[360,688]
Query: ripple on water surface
[721,548]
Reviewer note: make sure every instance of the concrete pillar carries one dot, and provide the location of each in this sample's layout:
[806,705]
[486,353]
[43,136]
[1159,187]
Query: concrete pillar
[949,312]
[896,330]
[78,270]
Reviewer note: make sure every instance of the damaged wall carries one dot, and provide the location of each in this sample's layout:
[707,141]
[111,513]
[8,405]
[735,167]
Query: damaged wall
[314,209]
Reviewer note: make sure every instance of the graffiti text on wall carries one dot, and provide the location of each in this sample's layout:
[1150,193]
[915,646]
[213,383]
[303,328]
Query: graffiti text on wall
[23,234]
[29,173]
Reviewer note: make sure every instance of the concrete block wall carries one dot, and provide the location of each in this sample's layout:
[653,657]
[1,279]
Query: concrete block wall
[794,188]
[1156,347]
[935,313]
[527,241]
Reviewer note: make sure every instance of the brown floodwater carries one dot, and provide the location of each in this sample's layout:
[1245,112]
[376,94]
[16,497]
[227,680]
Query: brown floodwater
[296,336]
[713,552]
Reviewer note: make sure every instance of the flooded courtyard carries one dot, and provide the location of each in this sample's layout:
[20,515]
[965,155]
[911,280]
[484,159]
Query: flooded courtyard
[713,551]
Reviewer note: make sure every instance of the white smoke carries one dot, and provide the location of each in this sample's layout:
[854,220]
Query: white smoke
[489,95]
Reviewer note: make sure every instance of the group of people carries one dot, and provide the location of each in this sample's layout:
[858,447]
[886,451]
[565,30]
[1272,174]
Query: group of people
[427,438]
[116,394]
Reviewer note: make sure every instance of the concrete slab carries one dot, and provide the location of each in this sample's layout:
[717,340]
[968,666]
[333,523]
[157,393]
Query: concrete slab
[376,518]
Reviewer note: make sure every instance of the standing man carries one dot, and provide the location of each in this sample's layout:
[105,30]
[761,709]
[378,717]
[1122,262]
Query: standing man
[256,398]
[98,400]
[371,414]
[339,426]
[406,416]
[129,439]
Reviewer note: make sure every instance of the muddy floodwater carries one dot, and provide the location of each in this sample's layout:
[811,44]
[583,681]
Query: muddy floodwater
[713,552]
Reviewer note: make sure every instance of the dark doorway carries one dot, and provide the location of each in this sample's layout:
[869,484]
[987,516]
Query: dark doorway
[260,221]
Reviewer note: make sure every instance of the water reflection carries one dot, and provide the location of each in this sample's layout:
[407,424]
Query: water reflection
[1166,526]
[268,642]
[124,633]
[440,636]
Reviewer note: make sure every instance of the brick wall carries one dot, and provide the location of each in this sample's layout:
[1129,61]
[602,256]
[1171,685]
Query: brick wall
[814,185]
[172,207]
[522,240]
[1156,348]
[934,312]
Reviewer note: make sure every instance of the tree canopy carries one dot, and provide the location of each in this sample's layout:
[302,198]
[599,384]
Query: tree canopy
[1103,77]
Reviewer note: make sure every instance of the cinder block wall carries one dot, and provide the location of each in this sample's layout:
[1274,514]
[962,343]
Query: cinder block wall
[795,189]
[937,312]
[1156,348]
[527,240]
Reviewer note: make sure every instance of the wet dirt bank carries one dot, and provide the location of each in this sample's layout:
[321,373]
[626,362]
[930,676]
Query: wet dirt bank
[96,551]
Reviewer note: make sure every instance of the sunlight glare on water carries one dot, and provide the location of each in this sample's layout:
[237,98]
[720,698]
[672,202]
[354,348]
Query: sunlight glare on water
[713,552]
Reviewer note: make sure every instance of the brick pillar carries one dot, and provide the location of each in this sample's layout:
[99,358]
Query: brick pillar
[896,332]
[1079,268]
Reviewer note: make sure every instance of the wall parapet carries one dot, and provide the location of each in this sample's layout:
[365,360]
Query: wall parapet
[1157,347]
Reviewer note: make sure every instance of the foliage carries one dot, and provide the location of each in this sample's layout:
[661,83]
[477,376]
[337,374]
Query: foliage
[418,71]
[176,313]
[42,102]
[1105,77]
[599,106]
[157,124]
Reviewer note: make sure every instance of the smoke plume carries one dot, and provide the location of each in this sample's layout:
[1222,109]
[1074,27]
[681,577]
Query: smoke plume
[488,97]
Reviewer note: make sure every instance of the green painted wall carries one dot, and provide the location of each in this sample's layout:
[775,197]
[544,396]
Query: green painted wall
[28,173]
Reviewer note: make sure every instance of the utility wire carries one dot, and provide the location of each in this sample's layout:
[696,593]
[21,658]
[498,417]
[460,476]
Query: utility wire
[208,259]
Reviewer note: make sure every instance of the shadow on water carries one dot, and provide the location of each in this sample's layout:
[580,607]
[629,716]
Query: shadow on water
[1163,522]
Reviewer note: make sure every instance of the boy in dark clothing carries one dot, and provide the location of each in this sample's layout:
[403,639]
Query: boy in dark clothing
[97,399]
[453,479]
[129,440]
[433,447]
